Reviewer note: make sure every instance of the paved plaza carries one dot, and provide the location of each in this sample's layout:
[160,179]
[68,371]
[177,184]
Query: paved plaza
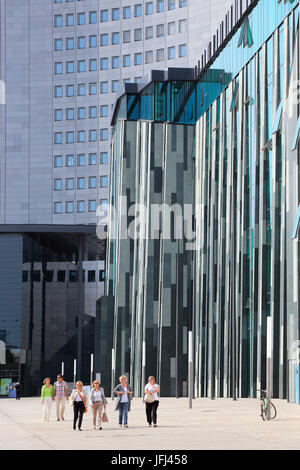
[211,424]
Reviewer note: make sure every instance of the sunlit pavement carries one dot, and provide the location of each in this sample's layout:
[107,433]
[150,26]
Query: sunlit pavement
[210,424]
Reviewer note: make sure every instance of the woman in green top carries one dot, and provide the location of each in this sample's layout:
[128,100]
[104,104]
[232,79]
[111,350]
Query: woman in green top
[47,398]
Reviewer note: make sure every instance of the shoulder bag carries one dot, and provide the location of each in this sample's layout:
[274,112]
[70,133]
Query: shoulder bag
[85,408]
[148,398]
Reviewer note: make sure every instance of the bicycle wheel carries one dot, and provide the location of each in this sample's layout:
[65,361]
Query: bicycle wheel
[263,412]
[273,411]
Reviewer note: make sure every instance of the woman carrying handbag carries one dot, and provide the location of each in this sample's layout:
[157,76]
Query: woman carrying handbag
[98,402]
[78,400]
[151,401]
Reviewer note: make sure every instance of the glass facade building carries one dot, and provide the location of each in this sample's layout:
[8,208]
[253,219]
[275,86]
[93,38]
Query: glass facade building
[62,62]
[42,297]
[245,188]
[237,289]
[142,273]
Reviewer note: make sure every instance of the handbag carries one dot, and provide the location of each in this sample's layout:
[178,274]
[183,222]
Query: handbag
[104,417]
[85,408]
[148,398]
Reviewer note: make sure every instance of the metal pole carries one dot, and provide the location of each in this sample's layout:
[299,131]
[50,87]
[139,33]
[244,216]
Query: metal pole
[43,310]
[92,369]
[190,379]
[269,365]
[80,310]
[176,332]
[112,373]
[19,372]
[233,347]
[233,297]
[143,370]
[297,383]
[74,373]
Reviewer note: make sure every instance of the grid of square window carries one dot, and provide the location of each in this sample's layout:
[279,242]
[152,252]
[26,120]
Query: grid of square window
[82,136]
[90,112]
[82,182]
[81,18]
[137,34]
[160,4]
[80,206]
[115,13]
[61,275]
[84,89]
[127,60]
[102,57]
[82,159]
[116,37]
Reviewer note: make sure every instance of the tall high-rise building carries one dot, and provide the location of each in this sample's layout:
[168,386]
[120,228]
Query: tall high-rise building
[63,63]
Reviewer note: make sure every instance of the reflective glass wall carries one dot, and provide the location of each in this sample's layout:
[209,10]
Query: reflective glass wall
[149,269]
[39,314]
[245,190]
[173,101]
[257,27]
[246,200]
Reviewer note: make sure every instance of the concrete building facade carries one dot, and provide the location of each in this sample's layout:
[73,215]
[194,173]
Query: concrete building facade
[63,63]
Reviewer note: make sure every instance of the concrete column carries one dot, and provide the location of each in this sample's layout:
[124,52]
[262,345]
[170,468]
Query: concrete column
[80,306]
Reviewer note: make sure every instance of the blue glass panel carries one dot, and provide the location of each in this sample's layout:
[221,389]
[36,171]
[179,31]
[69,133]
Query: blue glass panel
[296,21]
[147,105]
[263,20]
[160,101]
[280,62]
[269,90]
[182,102]
[278,118]
[235,96]
[246,37]
[133,107]
[210,86]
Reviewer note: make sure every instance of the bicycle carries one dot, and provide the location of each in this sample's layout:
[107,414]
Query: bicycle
[264,406]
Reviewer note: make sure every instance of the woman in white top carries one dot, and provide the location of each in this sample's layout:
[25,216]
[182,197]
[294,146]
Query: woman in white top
[78,400]
[98,402]
[151,408]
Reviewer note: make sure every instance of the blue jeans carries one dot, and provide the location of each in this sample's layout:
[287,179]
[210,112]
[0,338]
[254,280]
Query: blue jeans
[123,412]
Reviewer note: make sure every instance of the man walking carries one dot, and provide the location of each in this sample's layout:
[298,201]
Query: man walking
[60,395]
[17,388]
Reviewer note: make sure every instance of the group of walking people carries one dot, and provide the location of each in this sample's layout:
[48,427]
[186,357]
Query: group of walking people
[79,400]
